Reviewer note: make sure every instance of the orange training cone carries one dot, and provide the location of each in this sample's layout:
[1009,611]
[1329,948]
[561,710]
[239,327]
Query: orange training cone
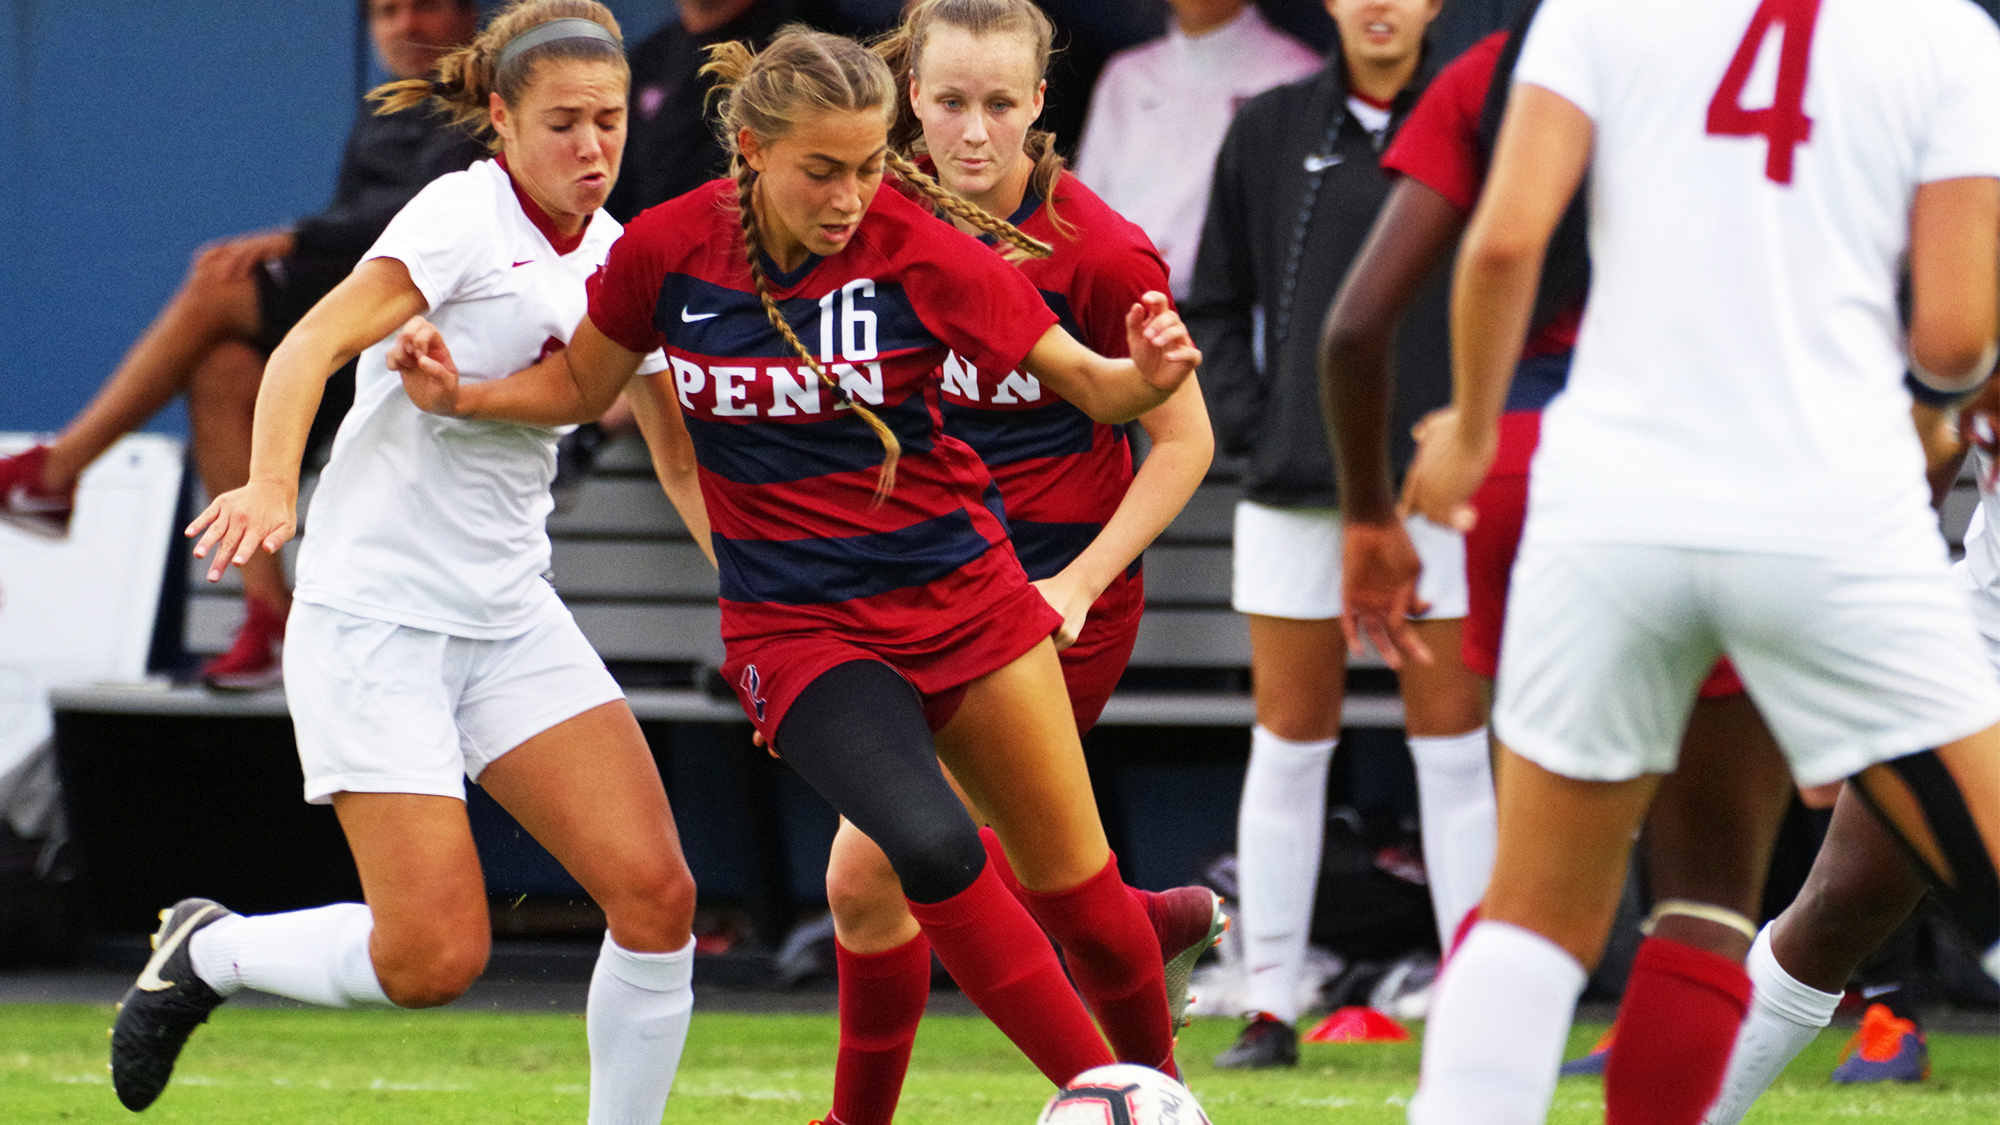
[1357,1025]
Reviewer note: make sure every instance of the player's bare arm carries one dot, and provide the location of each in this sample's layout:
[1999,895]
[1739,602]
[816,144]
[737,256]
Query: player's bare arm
[672,451]
[1540,159]
[1954,282]
[362,309]
[1183,445]
[1412,236]
[1115,391]
[574,385]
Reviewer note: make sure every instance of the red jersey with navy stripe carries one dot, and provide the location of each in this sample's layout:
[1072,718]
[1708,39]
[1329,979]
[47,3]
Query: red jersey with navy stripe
[787,472]
[1061,474]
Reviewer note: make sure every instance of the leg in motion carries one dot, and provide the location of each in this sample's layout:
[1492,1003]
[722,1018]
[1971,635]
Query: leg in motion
[588,790]
[1503,1006]
[884,964]
[1708,841]
[1013,747]
[857,735]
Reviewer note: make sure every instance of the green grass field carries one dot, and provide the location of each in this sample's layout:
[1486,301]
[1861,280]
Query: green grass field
[441,1068]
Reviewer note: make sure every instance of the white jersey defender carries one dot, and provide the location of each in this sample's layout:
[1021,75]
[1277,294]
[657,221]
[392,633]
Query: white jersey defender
[1732,468]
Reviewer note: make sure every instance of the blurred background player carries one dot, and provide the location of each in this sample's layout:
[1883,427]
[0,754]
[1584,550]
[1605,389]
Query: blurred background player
[238,300]
[861,616]
[1696,491]
[1159,112]
[426,647]
[1076,513]
[1297,186]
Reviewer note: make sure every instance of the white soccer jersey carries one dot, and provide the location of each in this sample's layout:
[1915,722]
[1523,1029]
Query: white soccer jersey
[1157,119]
[438,523]
[1737,381]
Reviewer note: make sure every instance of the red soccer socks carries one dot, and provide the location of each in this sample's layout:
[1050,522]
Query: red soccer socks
[1005,966]
[1675,1030]
[882,999]
[1114,956]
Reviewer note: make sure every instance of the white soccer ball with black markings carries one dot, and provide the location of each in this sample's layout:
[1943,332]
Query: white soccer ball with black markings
[1123,1094]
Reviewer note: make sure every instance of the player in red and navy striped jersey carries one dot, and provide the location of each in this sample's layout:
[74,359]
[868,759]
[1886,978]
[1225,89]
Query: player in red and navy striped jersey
[866,605]
[1078,517]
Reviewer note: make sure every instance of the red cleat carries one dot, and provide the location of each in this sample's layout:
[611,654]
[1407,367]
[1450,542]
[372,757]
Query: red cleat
[256,661]
[1188,921]
[25,504]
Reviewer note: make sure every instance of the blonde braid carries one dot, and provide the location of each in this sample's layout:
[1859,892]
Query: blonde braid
[1022,245]
[885,479]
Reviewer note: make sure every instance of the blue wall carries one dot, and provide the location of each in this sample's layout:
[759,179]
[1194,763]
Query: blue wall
[132,134]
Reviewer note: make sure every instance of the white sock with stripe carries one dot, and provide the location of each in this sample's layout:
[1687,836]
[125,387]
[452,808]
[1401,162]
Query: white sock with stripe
[637,1021]
[1280,829]
[319,956]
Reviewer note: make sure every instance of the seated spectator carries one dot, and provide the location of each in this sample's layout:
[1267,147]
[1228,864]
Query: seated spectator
[240,297]
[1160,111]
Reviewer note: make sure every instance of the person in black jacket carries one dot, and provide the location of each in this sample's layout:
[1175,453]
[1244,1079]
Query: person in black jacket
[240,297]
[1297,187]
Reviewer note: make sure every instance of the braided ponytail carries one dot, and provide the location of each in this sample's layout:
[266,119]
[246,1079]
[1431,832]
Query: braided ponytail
[801,72]
[1022,245]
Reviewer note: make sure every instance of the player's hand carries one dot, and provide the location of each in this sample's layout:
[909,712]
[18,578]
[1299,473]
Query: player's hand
[430,377]
[1451,462]
[1073,600]
[1161,347]
[232,259]
[237,523]
[1378,585]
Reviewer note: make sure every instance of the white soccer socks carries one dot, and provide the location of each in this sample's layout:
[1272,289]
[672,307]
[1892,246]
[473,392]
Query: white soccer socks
[1785,1015]
[1279,833]
[319,956]
[637,1019]
[1460,822]
[1498,1024]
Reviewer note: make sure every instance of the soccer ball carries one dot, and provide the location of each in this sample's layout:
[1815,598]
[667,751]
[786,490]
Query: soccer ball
[1123,1094]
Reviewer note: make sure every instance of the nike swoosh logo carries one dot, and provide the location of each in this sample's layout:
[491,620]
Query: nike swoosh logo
[1266,968]
[689,318]
[529,262]
[149,981]
[21,500]
[1319,163]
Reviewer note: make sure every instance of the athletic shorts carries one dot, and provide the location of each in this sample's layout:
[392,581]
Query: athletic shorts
[769,672]
[1093,665]
[1502,504]
[1985,604]
[1287,564]
[384,708]
[1850,663]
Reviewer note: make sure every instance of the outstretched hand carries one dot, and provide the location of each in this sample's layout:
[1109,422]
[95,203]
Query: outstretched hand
[1379,570]
[238,522]
[1161,347]
[430,378]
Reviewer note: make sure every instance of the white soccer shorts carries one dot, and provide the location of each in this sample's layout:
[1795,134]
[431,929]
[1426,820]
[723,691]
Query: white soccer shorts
[1850,664]
[1287,564]
[385,708]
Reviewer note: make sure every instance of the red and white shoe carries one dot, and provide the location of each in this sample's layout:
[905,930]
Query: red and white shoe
[256,661]
[25,504]
[1188,921]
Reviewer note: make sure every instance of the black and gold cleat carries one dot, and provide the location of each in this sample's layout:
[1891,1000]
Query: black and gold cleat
[163,1007]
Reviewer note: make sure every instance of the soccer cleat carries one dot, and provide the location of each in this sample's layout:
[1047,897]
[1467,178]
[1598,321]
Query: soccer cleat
[1592,1063]
[256,660]
[163,1007]
[1267,1043]
[1885,1049]
[25,504]
[1188,921]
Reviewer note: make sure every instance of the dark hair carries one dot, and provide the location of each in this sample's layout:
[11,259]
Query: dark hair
[467,77]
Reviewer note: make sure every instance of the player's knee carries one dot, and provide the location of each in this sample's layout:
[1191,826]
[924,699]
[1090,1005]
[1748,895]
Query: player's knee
[934,862]
[434,976]
[862,889]
[655,911]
